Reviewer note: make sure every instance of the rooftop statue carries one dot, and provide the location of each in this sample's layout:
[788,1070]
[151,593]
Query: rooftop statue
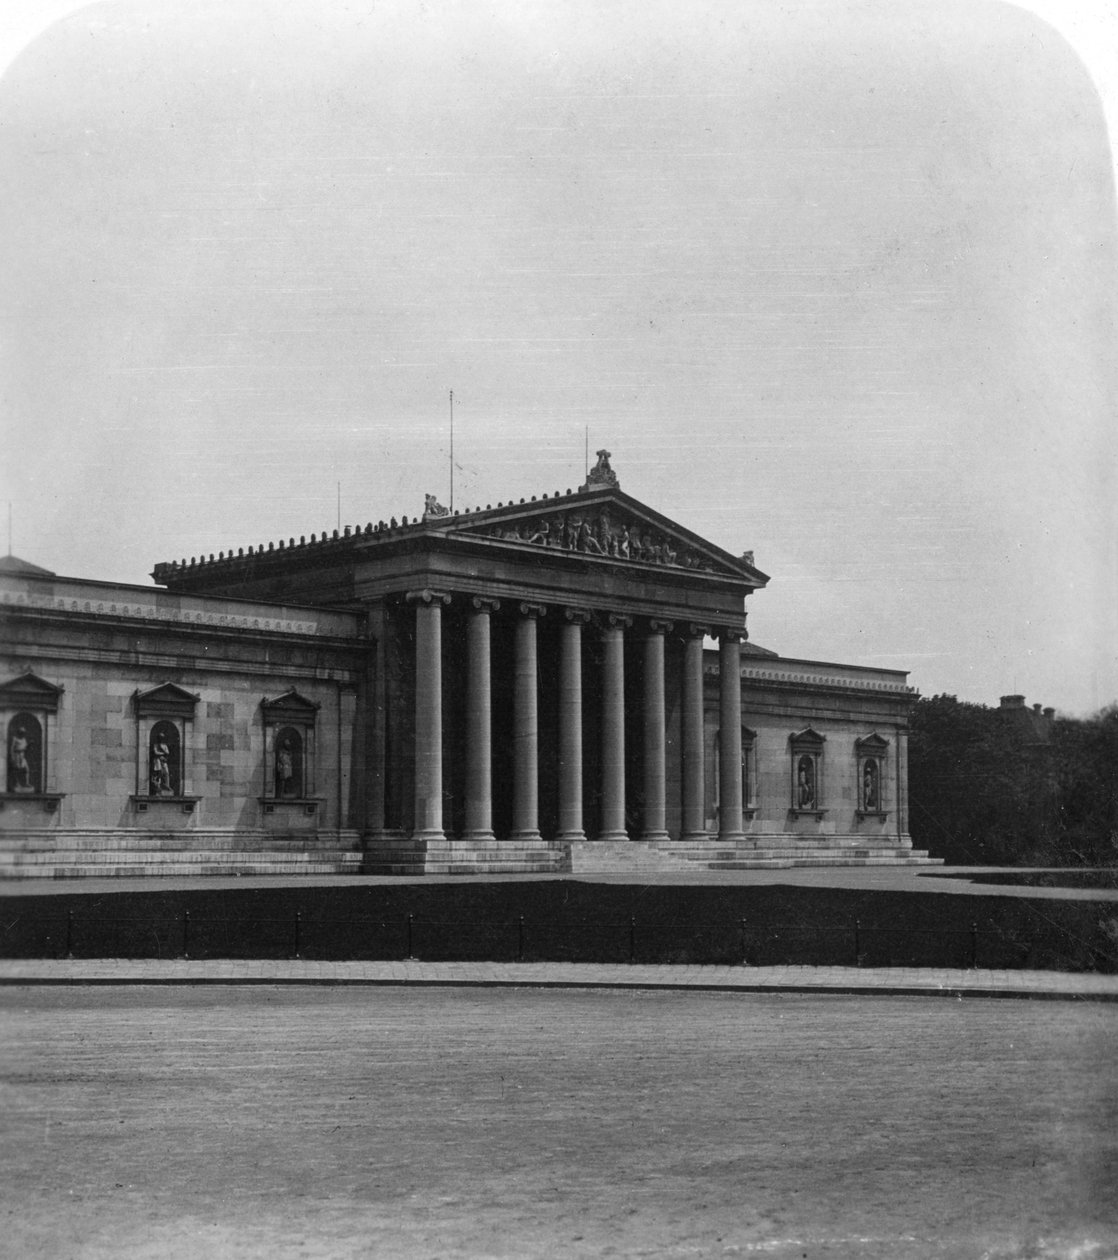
[601,474]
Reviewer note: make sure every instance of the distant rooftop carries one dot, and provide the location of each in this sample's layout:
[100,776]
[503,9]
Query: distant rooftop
[13,564]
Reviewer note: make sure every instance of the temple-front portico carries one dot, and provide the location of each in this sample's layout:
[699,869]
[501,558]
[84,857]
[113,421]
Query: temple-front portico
[563,683]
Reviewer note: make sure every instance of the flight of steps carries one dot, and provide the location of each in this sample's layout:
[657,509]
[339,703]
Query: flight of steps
[89,854]
[400,855]
[65,854]
[752,853]
[777,851]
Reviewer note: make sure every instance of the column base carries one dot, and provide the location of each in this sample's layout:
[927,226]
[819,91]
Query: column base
[429,835]
[730,837]
[604,836]
[654,837]
[571,837]
[478,837]
[519,837]
[694,835]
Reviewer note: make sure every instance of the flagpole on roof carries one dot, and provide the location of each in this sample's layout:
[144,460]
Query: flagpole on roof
[452,450]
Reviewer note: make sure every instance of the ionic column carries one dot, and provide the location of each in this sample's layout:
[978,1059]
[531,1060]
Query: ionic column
[729,767]
[479,725]
[902,783]
[570,725]
[613,729]
[694,770]
[655,769]
[428,822]
[526,728]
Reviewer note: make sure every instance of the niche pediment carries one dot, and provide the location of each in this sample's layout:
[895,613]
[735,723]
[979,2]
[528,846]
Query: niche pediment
[29,691]
[290,707]
[166,700]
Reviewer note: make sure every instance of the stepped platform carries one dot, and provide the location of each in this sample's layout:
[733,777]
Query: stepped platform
[765,852]
[401,855]
[63,854]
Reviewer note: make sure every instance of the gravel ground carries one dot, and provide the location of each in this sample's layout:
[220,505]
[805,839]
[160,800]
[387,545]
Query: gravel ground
[314,1122]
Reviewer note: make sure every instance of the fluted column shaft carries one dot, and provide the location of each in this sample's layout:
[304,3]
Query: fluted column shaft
[570,726]
[655,743]
[479,723]
[526,728]
[428,821]
[694,770]
[613,730]
[729,769]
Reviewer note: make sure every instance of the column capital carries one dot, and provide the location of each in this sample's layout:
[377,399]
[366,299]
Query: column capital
[657,625]
[580,616]
[731,634]
[532,610]
[427,596]
[616,621]
[694,630]
[481,604]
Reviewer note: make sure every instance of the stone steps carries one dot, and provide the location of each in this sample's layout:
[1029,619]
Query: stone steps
[176,844]
[99,855]
[75,855]
[464,857]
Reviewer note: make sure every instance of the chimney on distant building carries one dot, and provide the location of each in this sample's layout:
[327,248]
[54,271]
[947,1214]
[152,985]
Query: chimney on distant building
[1013,702]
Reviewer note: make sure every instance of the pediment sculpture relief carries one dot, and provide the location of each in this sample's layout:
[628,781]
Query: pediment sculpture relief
[599,534]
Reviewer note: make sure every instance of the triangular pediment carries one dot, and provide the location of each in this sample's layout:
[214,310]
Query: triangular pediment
[872,744]
[603,525]
[29,691]
[290,707]
[808,738]
[166,700]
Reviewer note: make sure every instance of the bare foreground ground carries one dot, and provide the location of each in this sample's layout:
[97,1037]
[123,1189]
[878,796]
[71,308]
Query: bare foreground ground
[259,1122]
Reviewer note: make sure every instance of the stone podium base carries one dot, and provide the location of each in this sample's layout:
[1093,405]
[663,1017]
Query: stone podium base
[74,854]
[397,854]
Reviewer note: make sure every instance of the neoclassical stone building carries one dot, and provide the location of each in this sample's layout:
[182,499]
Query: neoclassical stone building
[519,687]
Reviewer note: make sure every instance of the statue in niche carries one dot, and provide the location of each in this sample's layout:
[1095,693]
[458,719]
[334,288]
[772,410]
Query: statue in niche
[285,768]
[19,761]
[805,783]
[869,786]
[160,765]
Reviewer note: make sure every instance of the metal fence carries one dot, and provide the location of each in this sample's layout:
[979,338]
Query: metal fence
[521,939]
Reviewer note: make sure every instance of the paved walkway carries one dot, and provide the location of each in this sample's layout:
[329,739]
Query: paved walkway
[896,980]
[937,879]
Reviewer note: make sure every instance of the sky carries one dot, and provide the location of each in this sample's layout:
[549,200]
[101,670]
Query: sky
[833,281]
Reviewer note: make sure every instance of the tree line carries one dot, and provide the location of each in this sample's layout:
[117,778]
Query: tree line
[986,789]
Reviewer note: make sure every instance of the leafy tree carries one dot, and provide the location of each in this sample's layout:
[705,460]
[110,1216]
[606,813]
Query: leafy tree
[982,791]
